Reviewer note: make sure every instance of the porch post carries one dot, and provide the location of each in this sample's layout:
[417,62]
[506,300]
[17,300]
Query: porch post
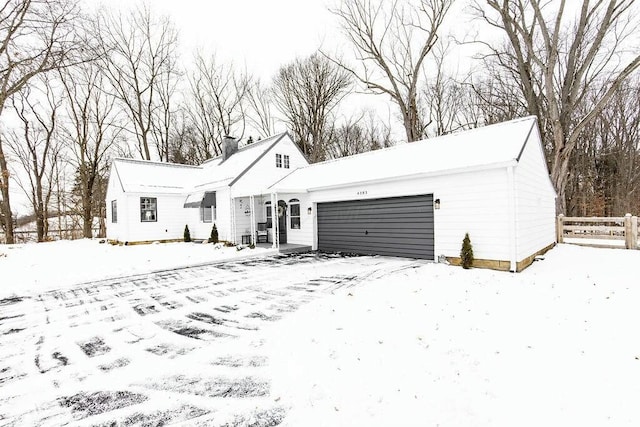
[252,218]
[274,221]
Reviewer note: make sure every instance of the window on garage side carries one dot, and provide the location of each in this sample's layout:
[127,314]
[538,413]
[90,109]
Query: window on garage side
[114,211]
[286,161]
[278,160]
[294,213]
[269,216]
[148,209]
[208,207]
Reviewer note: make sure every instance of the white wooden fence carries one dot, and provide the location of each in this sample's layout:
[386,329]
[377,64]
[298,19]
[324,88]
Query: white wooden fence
[607,232]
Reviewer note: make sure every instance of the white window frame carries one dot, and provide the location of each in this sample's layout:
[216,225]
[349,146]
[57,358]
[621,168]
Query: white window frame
[286,161]
[268,214]
[148,209]
[210,210]
[278,160]
[114,211]
[292,203]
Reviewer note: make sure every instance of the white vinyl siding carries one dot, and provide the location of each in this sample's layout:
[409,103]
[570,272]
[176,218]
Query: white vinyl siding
[473,202]
[535,202]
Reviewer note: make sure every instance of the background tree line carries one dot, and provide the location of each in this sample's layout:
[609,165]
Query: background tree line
[79,87]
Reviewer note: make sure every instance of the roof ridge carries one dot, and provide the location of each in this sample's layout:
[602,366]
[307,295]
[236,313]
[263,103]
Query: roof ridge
[155,163]
[245,147]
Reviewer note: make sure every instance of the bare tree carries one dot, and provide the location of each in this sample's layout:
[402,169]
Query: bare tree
[558,59]
[90,133]
[260,100]
[36,36]
[392,41]
[217,104]
[37,147]
[139,55]
[306,92]
[358,134]
[444,96]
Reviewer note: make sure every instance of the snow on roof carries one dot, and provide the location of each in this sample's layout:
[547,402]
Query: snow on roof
[219,172]
[141,176]
[490,145]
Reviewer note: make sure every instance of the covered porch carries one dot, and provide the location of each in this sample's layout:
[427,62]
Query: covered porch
[275,220]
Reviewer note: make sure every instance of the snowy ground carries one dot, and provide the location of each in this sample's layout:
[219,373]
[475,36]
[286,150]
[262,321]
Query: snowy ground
[318,340]
[41,267]
[556,345]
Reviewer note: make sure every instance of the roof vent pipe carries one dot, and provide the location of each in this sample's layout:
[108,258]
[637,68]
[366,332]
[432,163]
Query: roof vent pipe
[229,146]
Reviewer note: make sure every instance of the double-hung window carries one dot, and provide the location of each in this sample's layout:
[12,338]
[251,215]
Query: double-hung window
[148,209]
[294,213]
[208,207]
[286,161]
[114,211]
[278,160]
[269,215]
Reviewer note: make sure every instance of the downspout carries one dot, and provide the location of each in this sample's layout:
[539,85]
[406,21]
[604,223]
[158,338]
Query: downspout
[512,222]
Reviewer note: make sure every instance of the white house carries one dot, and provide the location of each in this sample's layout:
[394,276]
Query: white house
[415,200]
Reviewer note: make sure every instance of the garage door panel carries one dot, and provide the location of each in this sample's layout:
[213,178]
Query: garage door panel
[383,235]
[409,253]
[375,212]
[398,226]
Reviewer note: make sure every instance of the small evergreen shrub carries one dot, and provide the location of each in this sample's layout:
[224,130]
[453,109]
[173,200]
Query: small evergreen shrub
[187,234]
[214,234]
[466,253]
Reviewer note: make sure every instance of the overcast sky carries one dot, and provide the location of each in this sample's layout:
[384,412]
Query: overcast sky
[261,34]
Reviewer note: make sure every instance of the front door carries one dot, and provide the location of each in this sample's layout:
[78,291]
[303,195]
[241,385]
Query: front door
[282,220]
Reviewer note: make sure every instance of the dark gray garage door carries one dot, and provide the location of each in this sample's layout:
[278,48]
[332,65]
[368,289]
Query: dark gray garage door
[396,226]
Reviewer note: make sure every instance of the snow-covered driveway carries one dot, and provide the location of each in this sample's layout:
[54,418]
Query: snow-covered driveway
[166,347]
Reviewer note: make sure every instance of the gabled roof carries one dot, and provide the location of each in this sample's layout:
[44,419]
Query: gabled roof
[218,172]
[493,145]
[144,176]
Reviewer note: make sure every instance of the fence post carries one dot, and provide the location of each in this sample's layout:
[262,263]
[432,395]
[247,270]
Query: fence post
[634,232]
[559,229]
[628,234]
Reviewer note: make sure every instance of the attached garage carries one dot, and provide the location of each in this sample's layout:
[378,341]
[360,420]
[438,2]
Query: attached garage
[419,199]
[392,226]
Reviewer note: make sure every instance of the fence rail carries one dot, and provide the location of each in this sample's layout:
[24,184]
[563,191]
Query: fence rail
[596,231]
[23,236]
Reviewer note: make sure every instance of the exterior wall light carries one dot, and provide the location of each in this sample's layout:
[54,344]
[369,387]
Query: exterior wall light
[309,211]
[437,204]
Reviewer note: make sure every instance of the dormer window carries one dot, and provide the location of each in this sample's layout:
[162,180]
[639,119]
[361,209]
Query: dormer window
[278,160]
[286,161]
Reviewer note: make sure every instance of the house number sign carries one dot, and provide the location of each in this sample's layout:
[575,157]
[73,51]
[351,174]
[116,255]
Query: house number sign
[361,192]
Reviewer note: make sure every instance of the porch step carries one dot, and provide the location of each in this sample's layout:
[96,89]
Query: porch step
[294,249]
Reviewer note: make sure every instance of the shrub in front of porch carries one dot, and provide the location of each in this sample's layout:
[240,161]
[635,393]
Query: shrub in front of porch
[187,234]
[214,234]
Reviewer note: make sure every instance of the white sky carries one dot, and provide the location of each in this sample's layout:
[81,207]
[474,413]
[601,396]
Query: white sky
[263,35]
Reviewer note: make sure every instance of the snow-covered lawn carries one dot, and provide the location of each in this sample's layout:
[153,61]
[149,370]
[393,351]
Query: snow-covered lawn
[310,340]
[30,268]
[556,345]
